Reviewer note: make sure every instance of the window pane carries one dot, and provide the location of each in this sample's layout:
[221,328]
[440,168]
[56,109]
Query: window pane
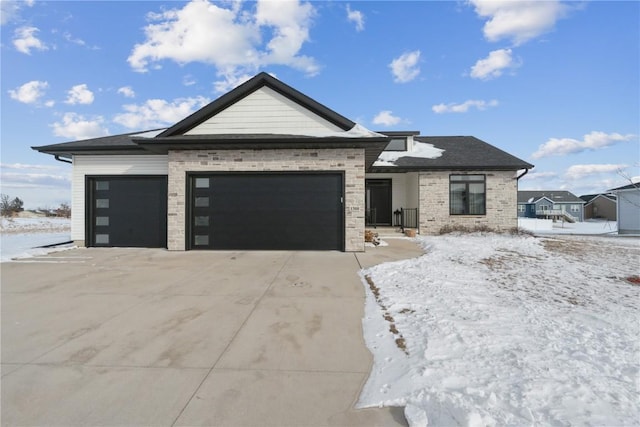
[201,240]
[202,202]
[202,221]
[102,185]
[102,221]
[202,182]
[398,144]
[102,203]
[102,239]
[457,199]
[476,199]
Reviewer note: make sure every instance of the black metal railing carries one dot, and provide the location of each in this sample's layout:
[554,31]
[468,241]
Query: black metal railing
[408,218]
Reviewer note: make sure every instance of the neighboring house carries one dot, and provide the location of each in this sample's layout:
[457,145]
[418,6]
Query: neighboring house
[628,208]
[561,205]
[600,206]
[266,167]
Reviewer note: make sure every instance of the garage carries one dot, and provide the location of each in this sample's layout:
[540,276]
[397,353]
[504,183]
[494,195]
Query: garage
[127,211]
[259,211]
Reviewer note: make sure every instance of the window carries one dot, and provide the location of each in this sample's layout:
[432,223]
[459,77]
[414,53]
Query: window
[467,194]
[397,144]
[202,202]
[575,208]
[202,182]
[102,203]
[102,221]
[102,185]
[520,208]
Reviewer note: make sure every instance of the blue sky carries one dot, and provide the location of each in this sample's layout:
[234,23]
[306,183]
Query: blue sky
[554,83]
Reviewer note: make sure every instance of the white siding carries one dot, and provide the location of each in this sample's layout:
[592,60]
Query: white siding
[106,165]
[264,111]
[404,189]
[628,211]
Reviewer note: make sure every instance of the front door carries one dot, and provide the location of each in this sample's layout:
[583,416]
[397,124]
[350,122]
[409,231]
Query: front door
[378,195]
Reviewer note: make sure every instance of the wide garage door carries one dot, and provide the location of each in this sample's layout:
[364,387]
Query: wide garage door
[289,211]
[127,211]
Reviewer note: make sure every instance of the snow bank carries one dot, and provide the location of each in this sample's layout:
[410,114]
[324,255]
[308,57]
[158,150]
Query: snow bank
[22,237]
[507,330]
[534,224]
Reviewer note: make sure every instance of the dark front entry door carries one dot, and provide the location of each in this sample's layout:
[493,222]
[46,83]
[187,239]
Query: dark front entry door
[286,211]
[127,211]
[379,201]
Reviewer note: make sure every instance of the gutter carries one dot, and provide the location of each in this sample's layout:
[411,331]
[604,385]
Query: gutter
[526,171]
[57,157]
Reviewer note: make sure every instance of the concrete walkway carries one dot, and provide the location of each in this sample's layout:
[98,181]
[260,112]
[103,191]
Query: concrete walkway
[157,338]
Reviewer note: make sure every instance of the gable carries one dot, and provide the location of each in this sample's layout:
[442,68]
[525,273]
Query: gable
[264,111]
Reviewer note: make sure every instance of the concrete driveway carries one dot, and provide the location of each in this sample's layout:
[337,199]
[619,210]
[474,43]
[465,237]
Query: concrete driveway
[157,338]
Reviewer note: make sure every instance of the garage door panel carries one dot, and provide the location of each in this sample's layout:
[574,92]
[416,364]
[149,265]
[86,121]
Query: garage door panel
[127,211]
[270,211]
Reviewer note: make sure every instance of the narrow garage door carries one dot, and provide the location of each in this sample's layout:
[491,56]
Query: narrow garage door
[288,211]
[127,211]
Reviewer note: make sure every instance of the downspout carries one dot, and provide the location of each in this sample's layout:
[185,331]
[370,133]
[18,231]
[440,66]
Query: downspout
[62,160]
[526,171]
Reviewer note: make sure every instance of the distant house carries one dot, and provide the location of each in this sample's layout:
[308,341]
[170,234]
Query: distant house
[628,208]
[560,205]
[266,167]
[600,206]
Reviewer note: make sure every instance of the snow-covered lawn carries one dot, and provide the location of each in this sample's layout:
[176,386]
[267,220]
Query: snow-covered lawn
[502,330]
[21,237]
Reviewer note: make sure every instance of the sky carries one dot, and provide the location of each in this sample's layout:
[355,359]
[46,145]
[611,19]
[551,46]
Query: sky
[553,83]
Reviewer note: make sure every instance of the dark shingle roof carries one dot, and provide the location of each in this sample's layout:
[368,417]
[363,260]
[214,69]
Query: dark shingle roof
[115,144]
[627,187]
[554,196]
[460,153]
[589,197]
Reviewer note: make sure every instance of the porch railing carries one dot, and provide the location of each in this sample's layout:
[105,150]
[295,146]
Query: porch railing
[409,218]
[370,217]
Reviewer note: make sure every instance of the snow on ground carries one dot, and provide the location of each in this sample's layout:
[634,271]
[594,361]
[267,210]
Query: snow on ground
[560,227]
[507,330]
[22,237]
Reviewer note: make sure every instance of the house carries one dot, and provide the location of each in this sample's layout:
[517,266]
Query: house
[266,167]
[628,208]
[600,206]
[561,205]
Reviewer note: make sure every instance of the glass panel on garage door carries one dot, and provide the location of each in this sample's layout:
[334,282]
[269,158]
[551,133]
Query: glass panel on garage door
[288,211]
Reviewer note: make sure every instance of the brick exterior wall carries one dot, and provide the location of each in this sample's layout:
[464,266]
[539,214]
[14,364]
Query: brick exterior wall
[350,160]
[501,201]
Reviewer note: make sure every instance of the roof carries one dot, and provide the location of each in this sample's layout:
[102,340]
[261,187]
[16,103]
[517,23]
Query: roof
[634,186]
[457,153]
[552,195]
[258,81]
[589,197]
[114,144]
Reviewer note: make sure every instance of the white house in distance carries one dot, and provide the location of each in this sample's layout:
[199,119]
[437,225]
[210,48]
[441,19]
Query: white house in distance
[266,167]
[628,208]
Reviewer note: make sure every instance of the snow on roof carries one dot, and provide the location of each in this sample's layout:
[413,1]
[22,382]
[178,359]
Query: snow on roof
[149,133]
[357,131]
[420,149]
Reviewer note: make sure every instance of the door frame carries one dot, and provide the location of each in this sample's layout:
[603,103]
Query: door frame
[389,183]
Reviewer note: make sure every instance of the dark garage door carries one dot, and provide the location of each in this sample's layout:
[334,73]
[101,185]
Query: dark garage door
[127,211]
[287,211]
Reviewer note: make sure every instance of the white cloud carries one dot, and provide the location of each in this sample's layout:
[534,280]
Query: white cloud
[34,180]
[386,118]
[127,92]
[30,92]
[79,94]
[25,166]
[10,10]
[464,107]
[591,141]
[405,67]
[155,113]
[531,176]
[75,126]
[24,39]
[356,17]
[228,37]
[581,171]
[493,65]
[518,21]
[188,80]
